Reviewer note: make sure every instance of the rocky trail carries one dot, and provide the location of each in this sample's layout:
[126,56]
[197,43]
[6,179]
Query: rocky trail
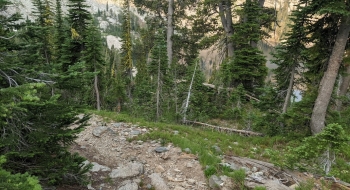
[136,165]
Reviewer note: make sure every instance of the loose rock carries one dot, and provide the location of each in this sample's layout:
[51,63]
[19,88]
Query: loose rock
[187,150]
[129,170]
[98,131]
[97,167]
[158,182]
[161,149]
[215,182]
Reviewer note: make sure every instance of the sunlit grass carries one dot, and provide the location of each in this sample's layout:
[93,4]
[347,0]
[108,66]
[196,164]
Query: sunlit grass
[201,140]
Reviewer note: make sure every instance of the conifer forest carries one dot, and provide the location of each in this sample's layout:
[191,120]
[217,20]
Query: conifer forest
[279,68]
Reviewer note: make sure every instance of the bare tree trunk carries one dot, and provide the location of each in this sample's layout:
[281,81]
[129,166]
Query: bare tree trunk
[319,111]
[343,87]
[289,91]
[189,95]
[261,3]
[226,21]
[98,101]
[170,31]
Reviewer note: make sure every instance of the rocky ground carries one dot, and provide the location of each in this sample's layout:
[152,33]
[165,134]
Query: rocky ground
[119,164]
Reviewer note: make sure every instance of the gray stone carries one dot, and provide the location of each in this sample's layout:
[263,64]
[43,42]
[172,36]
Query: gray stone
[232,166]
[97,167]
[215,182]
[131,169]
[217,149]
[176,132]
[189,165]
[85,163]
[98,131]
[129,186]
[90,187]
[187,150]
[117,124]
[247,170]
[139,142]
[161,149]
[235,143]
[135,132]
[149,186]
[158,182]
[257,176]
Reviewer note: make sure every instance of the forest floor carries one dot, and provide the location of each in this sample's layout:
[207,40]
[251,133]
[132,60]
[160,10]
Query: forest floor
[129,155]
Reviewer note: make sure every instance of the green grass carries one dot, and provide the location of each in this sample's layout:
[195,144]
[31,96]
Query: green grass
[200,141]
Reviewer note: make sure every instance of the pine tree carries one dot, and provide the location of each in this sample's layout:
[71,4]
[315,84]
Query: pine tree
[126,49]
[36,134]
[289,55]
[73,80]
[158,69]
[94,60]
[248,65]
[60,31]
[78,20]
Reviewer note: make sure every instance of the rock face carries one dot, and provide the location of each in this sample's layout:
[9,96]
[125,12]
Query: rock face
[158,182]
[129,170]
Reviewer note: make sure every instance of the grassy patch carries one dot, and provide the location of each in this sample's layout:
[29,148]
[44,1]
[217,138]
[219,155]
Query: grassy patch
[201,141]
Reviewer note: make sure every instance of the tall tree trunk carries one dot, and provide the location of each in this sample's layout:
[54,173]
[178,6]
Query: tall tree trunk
[170,31]
[98,101]
[261,3]
[343,87]
[226,21]
[319,111]
[189,94]
[289,91]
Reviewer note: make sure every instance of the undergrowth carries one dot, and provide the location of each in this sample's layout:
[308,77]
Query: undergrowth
[201,140]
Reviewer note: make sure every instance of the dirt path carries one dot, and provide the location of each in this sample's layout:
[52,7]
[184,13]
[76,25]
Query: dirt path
[123,165]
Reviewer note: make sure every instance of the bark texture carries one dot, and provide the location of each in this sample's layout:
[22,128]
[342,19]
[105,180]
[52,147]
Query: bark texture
[319,111]
[170,31]
[226,21]
[289,91]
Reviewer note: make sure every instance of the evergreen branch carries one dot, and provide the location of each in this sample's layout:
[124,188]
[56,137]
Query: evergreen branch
[1,37]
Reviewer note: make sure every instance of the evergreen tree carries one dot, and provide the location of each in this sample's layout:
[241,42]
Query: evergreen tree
[60,31]
[78,20]
[35,136]
[248,65]
[73,80]
[126,49]
[158,69]
[94,61]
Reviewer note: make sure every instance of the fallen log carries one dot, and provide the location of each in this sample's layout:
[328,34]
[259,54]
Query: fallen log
[226,130]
